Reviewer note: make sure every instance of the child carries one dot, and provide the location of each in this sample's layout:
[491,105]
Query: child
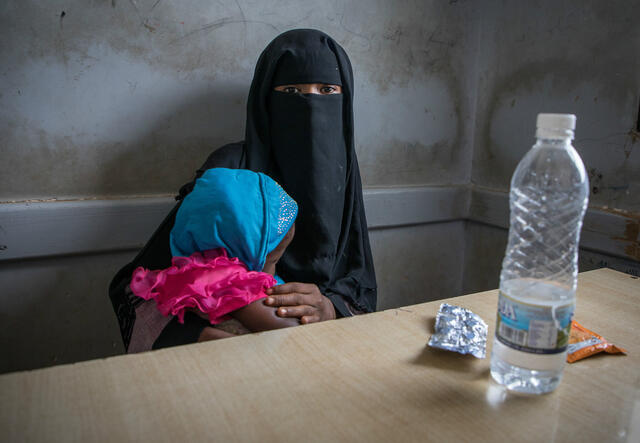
[228,235]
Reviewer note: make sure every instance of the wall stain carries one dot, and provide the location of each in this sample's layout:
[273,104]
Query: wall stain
[157,162]
[595,180]
[622,212]
[632,237]
[413,49]
[634,136]
[212,26]
[631,234]
[412,46]
[364,38]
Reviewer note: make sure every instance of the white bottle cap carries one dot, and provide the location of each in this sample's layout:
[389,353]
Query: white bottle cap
[553,125]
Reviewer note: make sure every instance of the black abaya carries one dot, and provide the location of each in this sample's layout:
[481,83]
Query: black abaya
[305,142]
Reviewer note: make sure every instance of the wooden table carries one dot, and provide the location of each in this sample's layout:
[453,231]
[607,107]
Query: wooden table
[367,378]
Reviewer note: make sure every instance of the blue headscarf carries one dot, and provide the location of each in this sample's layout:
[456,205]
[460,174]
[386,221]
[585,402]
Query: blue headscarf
[245,212]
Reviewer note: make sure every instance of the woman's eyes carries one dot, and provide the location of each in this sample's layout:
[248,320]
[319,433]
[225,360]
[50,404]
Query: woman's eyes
[327,89]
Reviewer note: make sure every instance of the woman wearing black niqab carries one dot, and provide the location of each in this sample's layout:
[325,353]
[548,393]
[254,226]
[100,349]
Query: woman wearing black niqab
[305,142]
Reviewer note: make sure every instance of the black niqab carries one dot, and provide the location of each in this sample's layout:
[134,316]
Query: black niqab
[305,141]
[310,149]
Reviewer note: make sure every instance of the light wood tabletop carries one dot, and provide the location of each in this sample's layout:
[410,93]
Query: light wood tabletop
[366,378]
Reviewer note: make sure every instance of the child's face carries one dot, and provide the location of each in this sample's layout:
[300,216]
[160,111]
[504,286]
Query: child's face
[273,256]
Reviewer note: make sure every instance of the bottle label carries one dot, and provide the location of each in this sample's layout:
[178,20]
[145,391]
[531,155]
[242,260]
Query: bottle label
[538,329]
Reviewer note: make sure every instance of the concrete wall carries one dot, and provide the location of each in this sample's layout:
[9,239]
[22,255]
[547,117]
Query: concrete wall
[104,101]
[56,310]
[129,97]
[485,248]
[559,56]
[418,263]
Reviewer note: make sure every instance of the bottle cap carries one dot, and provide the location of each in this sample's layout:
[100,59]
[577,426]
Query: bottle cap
[555,126]
[556,121]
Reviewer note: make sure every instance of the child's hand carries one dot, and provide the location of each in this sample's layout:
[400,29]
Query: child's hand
[300,300]
[210,333]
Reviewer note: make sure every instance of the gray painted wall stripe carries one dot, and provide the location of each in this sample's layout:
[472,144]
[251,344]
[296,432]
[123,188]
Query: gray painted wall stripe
[602,231]
[54,228]
[388,207]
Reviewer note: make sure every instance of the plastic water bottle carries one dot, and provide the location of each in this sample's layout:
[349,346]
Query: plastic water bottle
[548,199]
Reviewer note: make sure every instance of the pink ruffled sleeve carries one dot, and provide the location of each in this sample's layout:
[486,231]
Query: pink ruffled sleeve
[210,281]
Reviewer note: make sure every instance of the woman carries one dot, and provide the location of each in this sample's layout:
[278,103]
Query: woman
[300,132]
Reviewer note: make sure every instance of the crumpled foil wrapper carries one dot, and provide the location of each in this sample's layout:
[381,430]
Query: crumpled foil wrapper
[460,330]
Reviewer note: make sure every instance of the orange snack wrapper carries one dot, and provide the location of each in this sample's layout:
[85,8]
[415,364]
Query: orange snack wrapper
[584,343]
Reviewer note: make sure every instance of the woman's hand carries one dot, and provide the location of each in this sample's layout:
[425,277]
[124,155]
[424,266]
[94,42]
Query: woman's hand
[300,300]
